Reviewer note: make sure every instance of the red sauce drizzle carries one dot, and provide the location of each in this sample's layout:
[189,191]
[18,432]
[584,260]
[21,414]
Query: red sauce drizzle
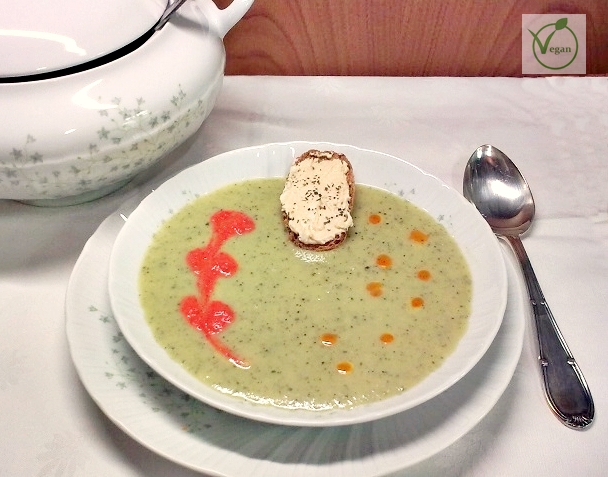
[209,264]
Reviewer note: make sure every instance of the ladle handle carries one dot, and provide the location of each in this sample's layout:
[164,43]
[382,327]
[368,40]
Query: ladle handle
[172,7]
[565,387]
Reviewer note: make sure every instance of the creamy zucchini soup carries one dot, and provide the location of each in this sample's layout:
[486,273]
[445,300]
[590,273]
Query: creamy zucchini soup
[246,311]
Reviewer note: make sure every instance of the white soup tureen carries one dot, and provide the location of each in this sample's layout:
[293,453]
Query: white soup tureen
[93,92]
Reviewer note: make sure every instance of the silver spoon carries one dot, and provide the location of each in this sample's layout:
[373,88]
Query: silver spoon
[501,194]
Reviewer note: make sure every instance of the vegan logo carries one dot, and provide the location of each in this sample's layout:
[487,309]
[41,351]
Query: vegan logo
[564,45]
[553,43]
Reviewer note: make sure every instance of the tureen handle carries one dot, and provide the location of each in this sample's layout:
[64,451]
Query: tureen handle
[224,20]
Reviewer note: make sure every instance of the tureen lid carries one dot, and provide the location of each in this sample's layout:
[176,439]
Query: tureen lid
[39,36]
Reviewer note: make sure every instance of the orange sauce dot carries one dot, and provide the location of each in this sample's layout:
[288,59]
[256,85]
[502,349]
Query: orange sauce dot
[417,302]
[424,275]
[374,288]
[344,367]
[329,339]
[387,338]
[374,219]
[418,236]
[384,261]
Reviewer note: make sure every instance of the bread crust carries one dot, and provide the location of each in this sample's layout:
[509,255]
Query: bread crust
[350,180]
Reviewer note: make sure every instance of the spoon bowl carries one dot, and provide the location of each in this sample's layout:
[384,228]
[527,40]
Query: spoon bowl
[499,191]
[501,194]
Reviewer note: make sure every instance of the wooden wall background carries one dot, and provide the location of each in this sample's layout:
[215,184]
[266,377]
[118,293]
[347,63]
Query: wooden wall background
[397,37]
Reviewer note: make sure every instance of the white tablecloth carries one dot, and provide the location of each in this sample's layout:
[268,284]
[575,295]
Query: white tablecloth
[555,129]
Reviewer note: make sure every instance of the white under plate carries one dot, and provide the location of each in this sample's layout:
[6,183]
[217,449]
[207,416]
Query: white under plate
[470,231]
[197,436]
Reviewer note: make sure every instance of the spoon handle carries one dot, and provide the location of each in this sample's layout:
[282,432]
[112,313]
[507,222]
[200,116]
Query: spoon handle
[565,387]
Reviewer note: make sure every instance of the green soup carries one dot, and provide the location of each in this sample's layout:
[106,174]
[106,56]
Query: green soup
[340,328]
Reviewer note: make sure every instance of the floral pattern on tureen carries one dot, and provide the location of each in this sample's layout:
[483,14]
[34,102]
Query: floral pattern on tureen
[130,138]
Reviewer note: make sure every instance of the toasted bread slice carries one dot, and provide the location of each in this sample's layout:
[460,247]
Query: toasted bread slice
[317,200]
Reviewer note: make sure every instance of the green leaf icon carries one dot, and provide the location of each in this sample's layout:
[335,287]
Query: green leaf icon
[561,23]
